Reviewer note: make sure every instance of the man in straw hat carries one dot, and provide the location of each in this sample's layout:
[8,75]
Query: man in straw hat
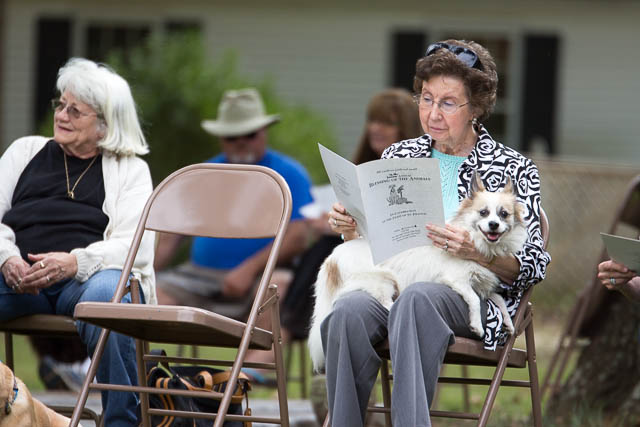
[222,272]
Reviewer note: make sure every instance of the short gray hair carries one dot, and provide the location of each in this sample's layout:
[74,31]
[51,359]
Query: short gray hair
[110,96]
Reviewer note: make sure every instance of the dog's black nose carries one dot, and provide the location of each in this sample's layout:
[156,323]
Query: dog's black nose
[493,225]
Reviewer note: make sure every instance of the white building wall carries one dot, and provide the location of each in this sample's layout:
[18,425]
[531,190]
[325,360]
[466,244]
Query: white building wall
[335,57]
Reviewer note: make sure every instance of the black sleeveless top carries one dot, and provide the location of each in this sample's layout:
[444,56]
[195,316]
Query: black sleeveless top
[43,217]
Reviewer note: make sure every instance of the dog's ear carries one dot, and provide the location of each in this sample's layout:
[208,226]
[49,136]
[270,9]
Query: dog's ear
[476,185]
[508,188]
[519,213]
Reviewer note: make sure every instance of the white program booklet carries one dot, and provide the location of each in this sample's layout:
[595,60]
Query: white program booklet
[623,250]
[391,199]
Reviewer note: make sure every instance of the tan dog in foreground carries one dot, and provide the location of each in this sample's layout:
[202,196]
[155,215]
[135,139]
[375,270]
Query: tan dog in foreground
[19,408]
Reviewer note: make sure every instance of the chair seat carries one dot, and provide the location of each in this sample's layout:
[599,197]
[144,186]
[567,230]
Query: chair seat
[184,325]
[466,351]
[41,324]
[472,352]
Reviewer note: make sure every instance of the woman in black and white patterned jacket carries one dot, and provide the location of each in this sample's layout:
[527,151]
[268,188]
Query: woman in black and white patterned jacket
[457,84]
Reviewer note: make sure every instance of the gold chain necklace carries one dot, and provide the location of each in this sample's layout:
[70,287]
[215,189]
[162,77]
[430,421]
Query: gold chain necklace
[66,171]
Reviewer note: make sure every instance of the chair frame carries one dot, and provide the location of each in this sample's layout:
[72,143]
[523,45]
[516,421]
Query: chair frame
[200,327]
[586,305]
[470,352]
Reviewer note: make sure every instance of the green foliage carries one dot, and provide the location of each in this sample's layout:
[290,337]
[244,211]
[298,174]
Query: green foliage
[176,87]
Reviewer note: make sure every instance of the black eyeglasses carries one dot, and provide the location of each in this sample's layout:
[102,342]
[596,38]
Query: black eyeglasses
[73,112]
[467,56]
[235,138]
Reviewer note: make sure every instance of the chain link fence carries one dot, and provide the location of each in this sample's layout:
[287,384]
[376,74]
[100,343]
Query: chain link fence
[581,200]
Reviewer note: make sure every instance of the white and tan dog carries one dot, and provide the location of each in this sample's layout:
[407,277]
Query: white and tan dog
[19,408]
[495,224]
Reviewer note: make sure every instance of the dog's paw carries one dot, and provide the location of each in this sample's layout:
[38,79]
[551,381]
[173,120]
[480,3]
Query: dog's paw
[508,325]
[477,329]
[386,303]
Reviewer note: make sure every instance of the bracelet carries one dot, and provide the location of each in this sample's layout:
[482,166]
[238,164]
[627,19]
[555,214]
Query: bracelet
[342,237]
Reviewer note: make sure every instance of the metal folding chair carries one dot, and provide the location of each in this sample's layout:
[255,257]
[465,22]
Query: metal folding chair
[212,200]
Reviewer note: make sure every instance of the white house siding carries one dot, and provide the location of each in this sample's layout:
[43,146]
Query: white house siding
[334,57]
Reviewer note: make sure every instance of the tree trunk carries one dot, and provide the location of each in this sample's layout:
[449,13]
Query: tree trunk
[606,378]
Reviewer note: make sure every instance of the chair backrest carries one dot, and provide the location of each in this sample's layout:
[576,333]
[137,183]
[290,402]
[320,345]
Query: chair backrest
[217,200]
[628,214]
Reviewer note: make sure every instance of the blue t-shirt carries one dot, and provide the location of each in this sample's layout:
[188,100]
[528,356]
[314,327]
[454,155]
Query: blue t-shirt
[228,253]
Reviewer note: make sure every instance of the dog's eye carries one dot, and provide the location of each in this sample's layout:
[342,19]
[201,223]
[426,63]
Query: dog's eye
[484,212]
[504,214]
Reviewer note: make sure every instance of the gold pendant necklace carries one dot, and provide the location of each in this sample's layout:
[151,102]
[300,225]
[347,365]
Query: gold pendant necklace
[66,171]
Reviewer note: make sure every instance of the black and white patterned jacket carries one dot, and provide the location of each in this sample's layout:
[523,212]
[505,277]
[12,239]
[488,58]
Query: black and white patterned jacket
[494,162]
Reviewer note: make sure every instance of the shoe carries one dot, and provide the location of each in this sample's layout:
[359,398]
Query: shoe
[61,376]
[48,375]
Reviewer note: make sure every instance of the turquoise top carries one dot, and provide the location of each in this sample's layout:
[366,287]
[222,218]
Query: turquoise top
[449,166]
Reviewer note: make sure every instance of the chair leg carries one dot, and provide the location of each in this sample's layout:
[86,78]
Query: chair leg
[495,383]
[563,352]
[93,368]
[386,390]
[465,389]
[575,318]
[573,337]
[142,382]
[536,406]
[280,368]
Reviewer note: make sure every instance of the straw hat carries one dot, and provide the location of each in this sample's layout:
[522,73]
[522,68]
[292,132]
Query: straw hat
[240,112]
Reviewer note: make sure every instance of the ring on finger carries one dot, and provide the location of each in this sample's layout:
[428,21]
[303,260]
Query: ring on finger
[335,222]
[48,278]
[17,288]
[612,280]
[42,264]
[446,245]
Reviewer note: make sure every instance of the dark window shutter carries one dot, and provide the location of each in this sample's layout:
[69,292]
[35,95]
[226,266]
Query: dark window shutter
[540,87]
[173,27]
[53,50]
[407,47]
[102,39]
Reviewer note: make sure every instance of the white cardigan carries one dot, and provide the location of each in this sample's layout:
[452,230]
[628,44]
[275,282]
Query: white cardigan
[127,184]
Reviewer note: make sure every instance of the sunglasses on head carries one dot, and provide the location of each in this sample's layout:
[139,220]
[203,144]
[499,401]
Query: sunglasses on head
[467,56]
[237,137]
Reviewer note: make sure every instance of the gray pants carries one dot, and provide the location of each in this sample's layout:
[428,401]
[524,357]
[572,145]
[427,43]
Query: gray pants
[421,325]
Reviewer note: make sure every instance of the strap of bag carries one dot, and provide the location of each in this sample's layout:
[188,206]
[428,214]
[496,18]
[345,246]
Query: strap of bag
[167,402]
[235,398]
[219,381]
[214,383]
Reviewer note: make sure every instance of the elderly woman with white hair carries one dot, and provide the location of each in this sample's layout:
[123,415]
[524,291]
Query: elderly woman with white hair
[69,207]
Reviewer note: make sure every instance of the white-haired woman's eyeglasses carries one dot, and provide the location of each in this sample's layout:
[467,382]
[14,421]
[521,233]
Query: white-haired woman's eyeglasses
[73,112]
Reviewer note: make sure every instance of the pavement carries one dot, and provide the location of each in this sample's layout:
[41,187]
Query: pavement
[300,411]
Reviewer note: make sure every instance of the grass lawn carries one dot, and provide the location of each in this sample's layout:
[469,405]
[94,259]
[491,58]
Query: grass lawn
[512,407]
